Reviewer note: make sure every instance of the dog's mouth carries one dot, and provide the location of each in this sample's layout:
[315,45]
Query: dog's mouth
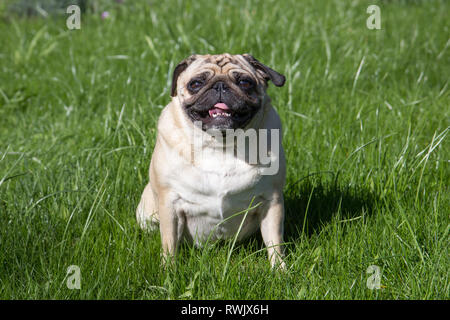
[221,116]
[219,110]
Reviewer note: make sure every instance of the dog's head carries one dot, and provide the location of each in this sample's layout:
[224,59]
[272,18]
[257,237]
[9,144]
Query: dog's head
[222,91]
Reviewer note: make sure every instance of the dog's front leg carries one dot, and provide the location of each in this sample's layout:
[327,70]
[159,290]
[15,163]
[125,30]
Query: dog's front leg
[272,226]
[171,227]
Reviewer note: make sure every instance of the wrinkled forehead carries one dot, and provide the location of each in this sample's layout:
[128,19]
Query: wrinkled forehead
[222,64]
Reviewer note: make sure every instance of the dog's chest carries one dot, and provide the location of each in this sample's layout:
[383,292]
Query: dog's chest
[214,190]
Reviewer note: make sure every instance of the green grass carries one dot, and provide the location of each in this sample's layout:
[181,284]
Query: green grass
[365,116]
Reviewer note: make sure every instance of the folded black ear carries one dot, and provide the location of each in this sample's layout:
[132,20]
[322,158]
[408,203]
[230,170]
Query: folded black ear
[178,70]
[277,78]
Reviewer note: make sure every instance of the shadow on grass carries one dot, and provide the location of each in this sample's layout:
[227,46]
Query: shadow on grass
[320,201]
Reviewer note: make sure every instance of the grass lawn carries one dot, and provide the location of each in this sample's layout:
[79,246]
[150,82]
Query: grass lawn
[365,116]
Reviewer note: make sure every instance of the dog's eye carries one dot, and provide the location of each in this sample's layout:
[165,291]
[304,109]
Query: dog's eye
[195,85]
[245,84]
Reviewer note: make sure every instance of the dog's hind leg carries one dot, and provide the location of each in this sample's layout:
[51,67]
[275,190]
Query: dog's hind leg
[147,210]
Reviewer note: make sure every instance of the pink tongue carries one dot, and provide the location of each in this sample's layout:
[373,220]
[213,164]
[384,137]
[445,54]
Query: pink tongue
[221,105]
[217,107]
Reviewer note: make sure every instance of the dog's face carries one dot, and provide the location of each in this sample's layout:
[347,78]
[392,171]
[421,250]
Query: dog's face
[222,91]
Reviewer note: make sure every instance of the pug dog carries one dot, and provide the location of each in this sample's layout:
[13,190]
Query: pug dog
[197,191]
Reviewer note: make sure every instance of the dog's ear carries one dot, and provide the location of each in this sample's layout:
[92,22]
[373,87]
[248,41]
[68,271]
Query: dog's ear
[178,70]
[269,74]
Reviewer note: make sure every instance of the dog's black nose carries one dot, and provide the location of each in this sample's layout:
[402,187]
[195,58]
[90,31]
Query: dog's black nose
[220,86]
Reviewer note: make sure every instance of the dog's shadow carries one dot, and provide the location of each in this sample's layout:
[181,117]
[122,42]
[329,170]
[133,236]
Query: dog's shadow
[312,204]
